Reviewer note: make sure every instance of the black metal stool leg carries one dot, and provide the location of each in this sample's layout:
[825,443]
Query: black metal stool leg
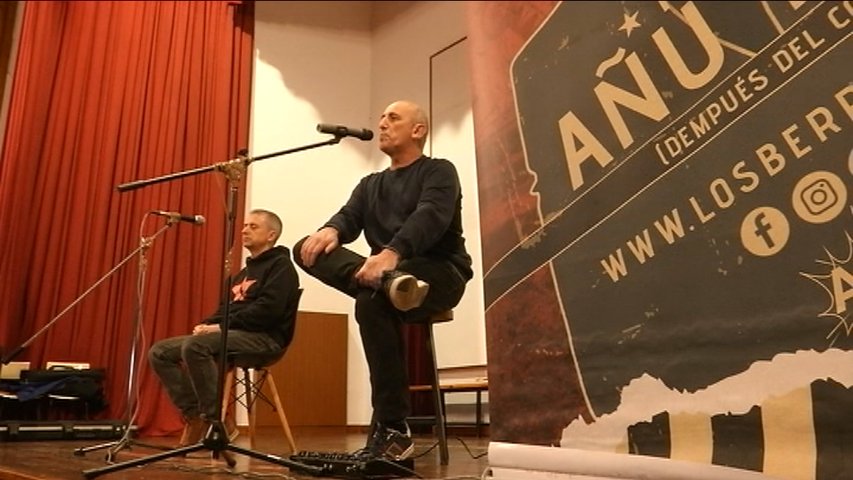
[437,399]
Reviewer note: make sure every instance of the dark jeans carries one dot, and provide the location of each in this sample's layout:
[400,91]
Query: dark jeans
[380,324]
[187,366]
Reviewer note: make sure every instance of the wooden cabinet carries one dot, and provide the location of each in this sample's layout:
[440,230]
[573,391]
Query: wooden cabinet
[312,376]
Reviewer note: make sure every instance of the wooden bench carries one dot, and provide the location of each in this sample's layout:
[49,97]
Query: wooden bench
[460,380]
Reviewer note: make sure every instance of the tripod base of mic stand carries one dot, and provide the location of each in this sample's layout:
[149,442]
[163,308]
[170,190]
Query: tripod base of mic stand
[217,442]
[115,447]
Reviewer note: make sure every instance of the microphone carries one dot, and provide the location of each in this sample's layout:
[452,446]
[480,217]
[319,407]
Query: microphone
[342,131]
[175,216]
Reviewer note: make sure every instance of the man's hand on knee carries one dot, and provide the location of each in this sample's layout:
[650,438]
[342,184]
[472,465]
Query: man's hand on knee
[322,241]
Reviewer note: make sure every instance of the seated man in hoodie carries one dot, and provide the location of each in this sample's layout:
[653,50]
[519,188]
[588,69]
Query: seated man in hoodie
[264,299]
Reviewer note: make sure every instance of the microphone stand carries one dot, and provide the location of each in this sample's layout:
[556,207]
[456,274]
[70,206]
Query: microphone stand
[14,353]
[144,245]
[132,394]
[216,439]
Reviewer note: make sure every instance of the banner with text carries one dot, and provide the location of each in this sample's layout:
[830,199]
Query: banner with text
[690,164]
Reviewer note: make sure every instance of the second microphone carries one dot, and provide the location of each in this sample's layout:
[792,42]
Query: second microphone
[177,217]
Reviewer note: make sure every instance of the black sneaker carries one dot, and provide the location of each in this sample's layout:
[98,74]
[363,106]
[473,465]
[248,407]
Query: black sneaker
[404,290]
[390,443]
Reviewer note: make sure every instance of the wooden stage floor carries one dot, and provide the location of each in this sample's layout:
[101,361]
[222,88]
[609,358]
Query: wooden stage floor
[56,459]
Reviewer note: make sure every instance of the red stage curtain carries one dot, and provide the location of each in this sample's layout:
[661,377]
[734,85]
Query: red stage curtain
[106,93]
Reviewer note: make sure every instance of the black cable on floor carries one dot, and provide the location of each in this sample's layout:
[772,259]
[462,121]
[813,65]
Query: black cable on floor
[479,455]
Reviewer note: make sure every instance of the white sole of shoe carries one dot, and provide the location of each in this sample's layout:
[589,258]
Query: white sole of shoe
[407,292]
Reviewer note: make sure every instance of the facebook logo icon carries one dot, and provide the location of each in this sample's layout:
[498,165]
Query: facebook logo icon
[764,231]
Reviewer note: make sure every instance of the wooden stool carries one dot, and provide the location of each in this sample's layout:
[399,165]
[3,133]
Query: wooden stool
[252,365]
[259,365]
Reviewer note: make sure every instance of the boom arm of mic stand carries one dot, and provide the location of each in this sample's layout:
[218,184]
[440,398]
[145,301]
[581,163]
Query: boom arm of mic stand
[124,187]
[172,176]
[332,141]
[14,353]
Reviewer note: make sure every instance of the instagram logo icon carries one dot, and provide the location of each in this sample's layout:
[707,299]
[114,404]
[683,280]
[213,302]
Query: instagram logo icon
[819,197]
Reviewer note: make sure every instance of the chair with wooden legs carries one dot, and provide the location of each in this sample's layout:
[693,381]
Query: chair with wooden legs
[255,373]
